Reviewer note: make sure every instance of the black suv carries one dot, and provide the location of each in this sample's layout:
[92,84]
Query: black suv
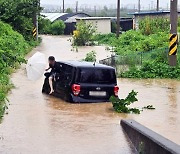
[84,82]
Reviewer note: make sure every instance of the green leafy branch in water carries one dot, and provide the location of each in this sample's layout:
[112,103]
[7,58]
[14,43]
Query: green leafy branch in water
[121,105]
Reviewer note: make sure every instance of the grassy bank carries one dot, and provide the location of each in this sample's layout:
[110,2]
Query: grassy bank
[13,48]
[132,42]
[151,42]
[154,50]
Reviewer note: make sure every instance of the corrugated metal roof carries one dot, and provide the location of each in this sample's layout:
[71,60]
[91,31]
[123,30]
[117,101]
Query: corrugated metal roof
[53,16]
[73,17]
[122,19]
[150,13]
[93,18]
[66,17]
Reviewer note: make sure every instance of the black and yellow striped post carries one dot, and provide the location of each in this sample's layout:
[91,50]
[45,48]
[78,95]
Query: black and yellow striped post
[173,33]
[34,32]
[36,4]
[173,45]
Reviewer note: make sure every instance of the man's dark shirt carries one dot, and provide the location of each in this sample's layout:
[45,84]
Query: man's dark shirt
[56,68]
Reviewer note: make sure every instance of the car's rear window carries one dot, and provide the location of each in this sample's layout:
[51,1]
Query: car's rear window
[100,76]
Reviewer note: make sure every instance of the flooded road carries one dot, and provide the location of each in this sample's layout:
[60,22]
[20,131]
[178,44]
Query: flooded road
[164,95]
[38,123]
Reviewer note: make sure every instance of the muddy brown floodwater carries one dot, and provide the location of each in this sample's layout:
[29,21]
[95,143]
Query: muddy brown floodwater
[38,123]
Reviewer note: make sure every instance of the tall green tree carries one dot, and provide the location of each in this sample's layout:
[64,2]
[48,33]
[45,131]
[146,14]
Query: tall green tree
[19,14]
[69,10]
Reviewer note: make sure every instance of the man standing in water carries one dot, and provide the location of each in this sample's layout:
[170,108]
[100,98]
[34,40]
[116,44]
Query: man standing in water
[55,68]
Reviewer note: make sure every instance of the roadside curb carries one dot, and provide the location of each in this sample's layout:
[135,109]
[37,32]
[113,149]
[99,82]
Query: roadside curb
[147,141]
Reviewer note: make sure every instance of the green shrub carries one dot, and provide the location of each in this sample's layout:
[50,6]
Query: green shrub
[153,70]
[69,10]
[91,56]
[13,47]
[153,25]
[57,28]
[113,27]
[12,44]
[83,34]
[19,14]
[132,42]
[151,42]
[44,25]
[108,39]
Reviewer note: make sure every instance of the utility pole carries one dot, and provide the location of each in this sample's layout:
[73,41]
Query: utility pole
[63,7]
[139,5]
[167,6]
[76,6]
[118,18]
[149,7]
[35,19]
[157,9]
[152,5]
[95,11]
[173,33]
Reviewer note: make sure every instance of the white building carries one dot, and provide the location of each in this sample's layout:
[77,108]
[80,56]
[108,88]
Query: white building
[102,24]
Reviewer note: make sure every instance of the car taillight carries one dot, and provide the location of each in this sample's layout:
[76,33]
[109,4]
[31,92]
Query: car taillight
[116,90]
[76,89]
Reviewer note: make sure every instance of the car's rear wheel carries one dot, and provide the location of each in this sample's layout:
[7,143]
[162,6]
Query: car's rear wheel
[68,98]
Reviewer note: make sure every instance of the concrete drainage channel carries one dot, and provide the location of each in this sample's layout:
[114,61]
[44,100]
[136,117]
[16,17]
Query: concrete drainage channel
[147,141]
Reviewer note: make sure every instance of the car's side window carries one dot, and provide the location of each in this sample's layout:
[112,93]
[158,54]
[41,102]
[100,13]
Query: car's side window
[61,76]
[68,74]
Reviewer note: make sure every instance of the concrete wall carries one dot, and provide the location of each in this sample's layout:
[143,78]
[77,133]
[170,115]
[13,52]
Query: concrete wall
[147,141]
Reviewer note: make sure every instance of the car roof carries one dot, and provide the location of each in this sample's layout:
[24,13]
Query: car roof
[84,64]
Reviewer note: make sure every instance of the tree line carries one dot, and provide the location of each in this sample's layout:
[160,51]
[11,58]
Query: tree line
[19,14]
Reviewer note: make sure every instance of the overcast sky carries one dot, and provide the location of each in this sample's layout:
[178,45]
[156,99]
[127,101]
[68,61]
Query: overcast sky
[145,3]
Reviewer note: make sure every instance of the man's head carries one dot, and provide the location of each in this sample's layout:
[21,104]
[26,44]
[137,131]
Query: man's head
[51,60]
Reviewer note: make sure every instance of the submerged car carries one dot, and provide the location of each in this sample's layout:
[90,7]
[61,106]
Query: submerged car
[84,82]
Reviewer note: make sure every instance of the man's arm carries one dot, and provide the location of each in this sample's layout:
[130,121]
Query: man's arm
[47,69]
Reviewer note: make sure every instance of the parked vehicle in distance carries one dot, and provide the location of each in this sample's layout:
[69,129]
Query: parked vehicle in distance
[84,82]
